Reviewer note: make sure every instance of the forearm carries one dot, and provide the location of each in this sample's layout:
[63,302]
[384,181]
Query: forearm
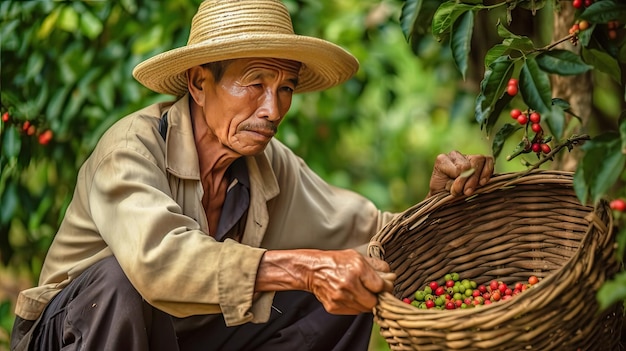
[282,270]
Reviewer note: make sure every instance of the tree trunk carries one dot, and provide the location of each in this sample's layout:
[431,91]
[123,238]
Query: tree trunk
[577,90]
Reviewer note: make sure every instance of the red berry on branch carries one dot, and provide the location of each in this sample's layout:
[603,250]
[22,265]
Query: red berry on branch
[516,113]
[577,3]
[512,81]
[522,119]
[583,25]
[536,127]
[535,117]
[588,3]
[511,89]
[618,205]
[536,147]
[45,137]
[5,117]
[545,148]
[26,125]
[31,130]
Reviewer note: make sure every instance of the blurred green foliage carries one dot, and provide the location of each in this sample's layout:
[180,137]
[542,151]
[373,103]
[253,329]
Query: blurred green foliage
[66,67]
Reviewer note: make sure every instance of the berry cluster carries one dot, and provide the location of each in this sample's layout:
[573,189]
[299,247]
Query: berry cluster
[453,293]
[612,27]
[43,136]
[618,205]
[538,144]
[579,4]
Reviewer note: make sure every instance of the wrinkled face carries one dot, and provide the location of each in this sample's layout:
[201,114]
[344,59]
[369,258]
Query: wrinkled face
[244,108]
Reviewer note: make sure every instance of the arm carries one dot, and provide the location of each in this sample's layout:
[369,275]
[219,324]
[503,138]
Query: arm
[344,281]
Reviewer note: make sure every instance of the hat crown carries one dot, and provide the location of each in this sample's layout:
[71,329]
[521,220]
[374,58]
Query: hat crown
[226,18]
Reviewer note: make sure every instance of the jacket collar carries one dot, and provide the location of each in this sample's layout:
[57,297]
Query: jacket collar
[181,156]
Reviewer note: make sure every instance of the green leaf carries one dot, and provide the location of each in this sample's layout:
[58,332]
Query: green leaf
[90,25]
[410,11]
[68,19]
[11,142]
[445,16]
[493,86]
[602,163]
[535,87]
[495,52]
[461,41]
[10,202]
[106,92]
[562,62]
[605,11]
[501,136]
[555,119]
[581,188]
[603,62]
[612,291]
[504,32]
[622,131]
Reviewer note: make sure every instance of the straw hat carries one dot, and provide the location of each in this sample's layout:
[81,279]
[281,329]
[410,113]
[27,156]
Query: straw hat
[230,29]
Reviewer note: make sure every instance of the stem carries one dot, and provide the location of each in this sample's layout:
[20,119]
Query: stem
[569,144]
[552,45]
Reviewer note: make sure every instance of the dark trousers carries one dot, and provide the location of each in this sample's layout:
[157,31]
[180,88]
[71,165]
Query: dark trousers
[101,310]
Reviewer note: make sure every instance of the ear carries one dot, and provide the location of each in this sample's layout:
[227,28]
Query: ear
[195,79]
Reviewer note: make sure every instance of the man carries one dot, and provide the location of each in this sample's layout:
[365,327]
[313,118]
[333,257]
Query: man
[191,228]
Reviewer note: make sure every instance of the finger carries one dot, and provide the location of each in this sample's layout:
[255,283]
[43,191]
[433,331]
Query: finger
[487,171]
[472,182]
[388,279]
[378,264]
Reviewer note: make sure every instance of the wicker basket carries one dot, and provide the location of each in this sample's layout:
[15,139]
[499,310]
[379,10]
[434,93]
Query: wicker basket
[516,226]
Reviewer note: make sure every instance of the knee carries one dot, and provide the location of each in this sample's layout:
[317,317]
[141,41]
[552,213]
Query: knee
[108,277]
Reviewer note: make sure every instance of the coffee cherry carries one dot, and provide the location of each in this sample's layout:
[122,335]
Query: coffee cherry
[535,117]
[433,285]
[430,304]
[583,25]
[536,147]
[588,3]
[612,34]
[511,89]
[5,117]
[532,280]
[31,130]
[45,137]
[406,300]
[545,148]
[512,81]
[618,205]
[575,28]
[536,127]
[26,125]
[522,119]
[577,3]
[515,113]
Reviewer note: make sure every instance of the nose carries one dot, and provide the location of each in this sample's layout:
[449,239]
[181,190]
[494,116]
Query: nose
[270,107]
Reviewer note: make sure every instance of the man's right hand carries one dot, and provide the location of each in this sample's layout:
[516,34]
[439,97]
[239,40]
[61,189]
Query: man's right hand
[344,281]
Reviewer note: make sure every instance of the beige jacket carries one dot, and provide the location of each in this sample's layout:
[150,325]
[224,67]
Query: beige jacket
[138,197]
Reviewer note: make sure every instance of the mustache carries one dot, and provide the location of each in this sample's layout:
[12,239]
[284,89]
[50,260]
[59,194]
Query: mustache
[260,126]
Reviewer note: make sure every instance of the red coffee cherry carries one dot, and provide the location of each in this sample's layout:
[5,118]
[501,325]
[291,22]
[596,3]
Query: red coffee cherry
[516,113]
[5,117]
[45,137]
[522,119]
[618,205]
[536,147]
[545,148]
[535,117]
[536,127]
[577,3]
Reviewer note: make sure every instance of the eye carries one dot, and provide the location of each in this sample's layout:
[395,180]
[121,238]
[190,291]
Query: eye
[287,89]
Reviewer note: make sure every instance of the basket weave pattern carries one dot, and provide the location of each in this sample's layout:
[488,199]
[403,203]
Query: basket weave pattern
[513,227]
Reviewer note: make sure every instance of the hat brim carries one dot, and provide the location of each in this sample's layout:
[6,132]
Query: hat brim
[324,64]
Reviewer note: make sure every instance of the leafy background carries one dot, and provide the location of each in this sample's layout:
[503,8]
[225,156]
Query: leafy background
[66,67]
